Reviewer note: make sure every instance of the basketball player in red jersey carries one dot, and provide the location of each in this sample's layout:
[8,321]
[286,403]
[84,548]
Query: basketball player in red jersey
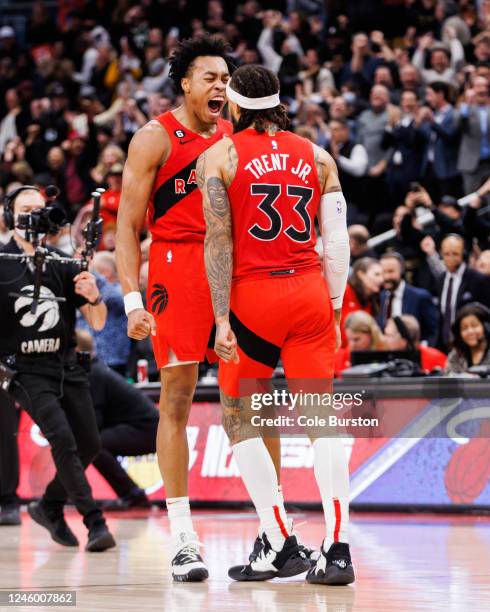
[262,189]
[160,178]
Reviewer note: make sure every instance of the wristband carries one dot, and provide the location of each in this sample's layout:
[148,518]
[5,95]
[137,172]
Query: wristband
[133,301]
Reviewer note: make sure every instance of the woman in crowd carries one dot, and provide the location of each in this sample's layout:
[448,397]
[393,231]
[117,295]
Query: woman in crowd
[363,334]
[362,291]
[471,332]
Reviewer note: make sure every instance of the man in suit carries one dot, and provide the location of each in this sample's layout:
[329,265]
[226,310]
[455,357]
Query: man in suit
[439,123]
[474,120]
[400,298]
[457,286]
[358,241]
[408,141]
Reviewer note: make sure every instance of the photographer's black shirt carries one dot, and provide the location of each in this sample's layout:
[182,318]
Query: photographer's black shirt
[39,338]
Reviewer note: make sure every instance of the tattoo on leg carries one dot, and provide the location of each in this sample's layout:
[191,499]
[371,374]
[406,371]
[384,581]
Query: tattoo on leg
[232,416]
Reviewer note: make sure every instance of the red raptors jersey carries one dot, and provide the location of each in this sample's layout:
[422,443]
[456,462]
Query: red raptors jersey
[175,209]
[274,199]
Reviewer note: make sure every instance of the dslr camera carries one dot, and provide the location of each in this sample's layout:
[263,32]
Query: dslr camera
[48,220]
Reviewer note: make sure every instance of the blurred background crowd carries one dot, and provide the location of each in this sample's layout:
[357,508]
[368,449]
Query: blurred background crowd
[396,90]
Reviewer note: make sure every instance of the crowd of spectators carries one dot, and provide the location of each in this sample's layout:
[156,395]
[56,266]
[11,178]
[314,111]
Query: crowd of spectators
[396,90]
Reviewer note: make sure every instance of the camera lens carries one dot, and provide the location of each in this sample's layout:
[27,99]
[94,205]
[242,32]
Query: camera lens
[55,215]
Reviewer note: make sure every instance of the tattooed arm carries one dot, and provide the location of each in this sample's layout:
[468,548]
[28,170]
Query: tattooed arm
[326,169]
[212,180]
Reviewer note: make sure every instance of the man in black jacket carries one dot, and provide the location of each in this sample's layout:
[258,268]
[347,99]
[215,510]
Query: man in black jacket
[457,286]
[127,420]
[37,341]
[400,298]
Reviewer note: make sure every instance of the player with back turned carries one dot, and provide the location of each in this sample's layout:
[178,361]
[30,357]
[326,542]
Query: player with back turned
[262,189]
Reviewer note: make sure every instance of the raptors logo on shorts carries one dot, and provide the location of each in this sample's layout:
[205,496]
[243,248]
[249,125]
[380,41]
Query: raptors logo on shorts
[158,299]
[178,291]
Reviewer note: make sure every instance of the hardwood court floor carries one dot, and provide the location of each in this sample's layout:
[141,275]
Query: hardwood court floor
[402,562]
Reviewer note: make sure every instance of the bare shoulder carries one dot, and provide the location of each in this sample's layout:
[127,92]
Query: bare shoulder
[219,149]
[150,145]
[221,157]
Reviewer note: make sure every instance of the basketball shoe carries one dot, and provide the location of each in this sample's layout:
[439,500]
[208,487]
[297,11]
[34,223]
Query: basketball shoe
[266,563]
[187,564]
[334,567]
[311,554]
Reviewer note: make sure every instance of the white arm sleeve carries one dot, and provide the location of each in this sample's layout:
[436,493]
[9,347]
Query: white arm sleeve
[336,250]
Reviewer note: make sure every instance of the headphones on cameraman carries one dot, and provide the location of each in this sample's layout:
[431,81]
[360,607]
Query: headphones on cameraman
[50,193]
[8,204]
[404,333]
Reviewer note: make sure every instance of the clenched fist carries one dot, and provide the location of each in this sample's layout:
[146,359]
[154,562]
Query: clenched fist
[141,324]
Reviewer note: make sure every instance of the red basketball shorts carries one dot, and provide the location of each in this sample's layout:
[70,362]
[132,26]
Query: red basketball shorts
[289,317]
[178,297]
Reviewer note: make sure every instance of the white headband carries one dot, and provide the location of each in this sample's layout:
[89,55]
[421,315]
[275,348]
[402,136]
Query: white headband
[252,103]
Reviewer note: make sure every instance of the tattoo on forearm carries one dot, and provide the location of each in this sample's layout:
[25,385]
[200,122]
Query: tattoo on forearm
[218,244]
[333,189]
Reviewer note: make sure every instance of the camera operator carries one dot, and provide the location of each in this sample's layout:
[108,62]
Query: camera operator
[37,342]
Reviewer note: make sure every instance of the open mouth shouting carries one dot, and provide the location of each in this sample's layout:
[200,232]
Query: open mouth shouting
[216,104]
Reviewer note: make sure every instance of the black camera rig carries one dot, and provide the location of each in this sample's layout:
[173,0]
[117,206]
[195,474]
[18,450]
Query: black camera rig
[49,220]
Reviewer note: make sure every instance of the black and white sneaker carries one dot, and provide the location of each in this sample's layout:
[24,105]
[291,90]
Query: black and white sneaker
[258,546]
[334,567]
[187,564]
[311,554]
[266,563]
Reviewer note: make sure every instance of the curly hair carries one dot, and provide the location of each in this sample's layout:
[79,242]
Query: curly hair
[187,51]
[255,81]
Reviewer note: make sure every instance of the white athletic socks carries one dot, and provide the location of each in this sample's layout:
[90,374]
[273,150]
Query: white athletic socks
[332,477]
[179,515]
[260,478]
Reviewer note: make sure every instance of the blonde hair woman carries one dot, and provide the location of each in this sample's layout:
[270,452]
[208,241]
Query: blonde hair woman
[363,334]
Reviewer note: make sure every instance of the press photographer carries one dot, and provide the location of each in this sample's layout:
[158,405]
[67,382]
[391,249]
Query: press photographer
[40,291]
